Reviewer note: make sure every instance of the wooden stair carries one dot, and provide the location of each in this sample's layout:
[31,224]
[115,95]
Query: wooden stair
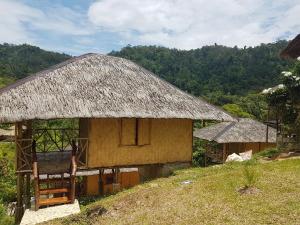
[54,201]
[54,190]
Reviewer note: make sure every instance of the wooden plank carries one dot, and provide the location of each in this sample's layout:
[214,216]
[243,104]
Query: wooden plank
[54,201]
[55,180]
[53,191]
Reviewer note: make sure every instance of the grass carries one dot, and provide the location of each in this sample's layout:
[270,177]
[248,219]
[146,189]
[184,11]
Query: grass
[210,198]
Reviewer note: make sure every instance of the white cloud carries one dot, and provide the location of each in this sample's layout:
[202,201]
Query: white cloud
[194,23]
[110,24]
[21,23]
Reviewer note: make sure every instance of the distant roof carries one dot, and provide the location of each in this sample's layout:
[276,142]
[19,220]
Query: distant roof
[98,86]
[7,132]
[245,130]
[293,48]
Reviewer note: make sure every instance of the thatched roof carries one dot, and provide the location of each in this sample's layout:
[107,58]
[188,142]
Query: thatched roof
[245,130]
[293,48]
[99,86]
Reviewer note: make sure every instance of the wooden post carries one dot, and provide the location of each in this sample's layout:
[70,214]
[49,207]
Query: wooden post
[20,176]
[27,191]
[101,189]
[267,132]
[28,135]
[224,152]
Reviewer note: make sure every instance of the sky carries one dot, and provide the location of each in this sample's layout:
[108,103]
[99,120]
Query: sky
[81,26]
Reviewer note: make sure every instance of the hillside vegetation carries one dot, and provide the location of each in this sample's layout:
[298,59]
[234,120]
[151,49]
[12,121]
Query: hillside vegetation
[213,70]
[209,197]
[18,61]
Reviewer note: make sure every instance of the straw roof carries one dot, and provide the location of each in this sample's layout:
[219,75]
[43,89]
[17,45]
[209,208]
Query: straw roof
[99,86]
[293,48]
[245,130]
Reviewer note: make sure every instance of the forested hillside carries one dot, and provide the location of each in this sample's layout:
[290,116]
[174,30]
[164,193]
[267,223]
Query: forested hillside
[18,61]
[213,70]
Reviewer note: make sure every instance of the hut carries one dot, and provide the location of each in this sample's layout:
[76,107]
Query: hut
[293,49]
[236,137]
[127,117]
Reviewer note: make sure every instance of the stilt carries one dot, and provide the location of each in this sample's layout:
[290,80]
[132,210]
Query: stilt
[20,176]
[19,208]
[27,191]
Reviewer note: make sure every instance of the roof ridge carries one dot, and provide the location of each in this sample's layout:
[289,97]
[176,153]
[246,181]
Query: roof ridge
[229,126]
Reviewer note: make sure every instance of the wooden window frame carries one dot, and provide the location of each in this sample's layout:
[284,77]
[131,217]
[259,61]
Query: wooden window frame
[137,121]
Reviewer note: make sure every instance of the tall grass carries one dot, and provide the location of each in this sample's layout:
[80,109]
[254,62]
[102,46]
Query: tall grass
[250,174]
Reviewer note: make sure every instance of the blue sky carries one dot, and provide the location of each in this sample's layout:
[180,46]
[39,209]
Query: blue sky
[80,26]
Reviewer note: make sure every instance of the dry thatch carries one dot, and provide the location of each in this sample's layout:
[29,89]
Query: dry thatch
[293,48]
[245,130]
[98,86]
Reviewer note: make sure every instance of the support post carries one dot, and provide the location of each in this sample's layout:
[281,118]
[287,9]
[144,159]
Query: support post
[224,152]
[20,176]
[27,191]
[28,135]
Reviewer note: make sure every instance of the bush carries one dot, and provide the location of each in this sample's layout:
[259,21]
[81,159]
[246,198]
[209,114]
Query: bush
[198,153]
[250,174]
[5,219]
[269,153]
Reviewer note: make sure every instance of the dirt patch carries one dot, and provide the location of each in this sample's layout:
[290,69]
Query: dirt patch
[248,190]
[96,211]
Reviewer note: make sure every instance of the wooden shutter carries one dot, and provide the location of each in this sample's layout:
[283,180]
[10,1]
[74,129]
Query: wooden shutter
[128,131]
[144,130]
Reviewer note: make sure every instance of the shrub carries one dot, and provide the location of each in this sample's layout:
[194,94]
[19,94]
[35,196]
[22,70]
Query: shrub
[250,174]
[4,218]
[198,153]
[269,152]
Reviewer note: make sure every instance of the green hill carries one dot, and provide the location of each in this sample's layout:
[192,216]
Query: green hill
[18,61]
[213,69]
[210,197]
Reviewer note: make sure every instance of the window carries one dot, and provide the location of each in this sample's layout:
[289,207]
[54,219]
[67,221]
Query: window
[135,131]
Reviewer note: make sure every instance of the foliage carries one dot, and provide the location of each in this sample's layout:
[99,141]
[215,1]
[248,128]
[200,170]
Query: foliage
[213,69]
[4,218]
[198,152]
[236,110]
[5,80]
[7,180]
[285,100]
[250,174]
[7,175]
[18,61]
[269,153]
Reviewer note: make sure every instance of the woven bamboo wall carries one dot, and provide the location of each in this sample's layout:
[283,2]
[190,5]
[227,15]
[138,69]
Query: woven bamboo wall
[242,147]
[170,141]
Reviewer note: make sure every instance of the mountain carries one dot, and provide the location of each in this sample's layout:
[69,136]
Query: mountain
[18,61]
[213,69]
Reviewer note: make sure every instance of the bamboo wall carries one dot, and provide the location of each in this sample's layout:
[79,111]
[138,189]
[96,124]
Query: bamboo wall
[125,180]
[242,147]
[170,141]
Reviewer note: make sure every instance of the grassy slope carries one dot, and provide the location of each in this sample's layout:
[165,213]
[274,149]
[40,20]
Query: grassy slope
[210,199]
